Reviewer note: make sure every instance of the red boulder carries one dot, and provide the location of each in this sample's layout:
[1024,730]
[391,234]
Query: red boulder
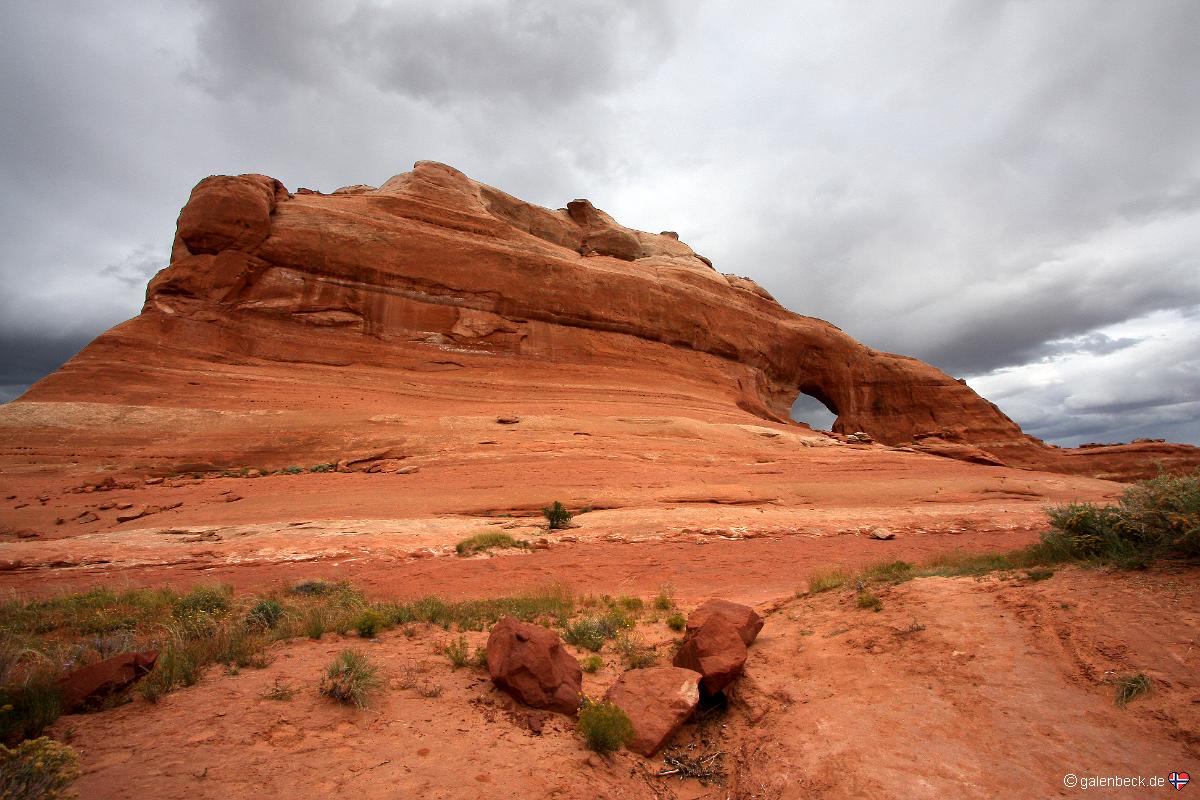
[716,651]
[744,618]
[530,663]
[657,700]
[93,683]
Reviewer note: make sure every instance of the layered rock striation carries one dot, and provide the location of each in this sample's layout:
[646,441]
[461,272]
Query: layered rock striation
[275,301]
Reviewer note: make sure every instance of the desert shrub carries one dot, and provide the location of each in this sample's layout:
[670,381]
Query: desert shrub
[37,769]
[293,470]
[1039,574]
[869,600]
[479,658]
[676,621]
[592,632]
[322,468]
[314,587]
[631,604]
[1130,687]
[634,653]
[203,600]
[369,623]
[280,691]
[604,727]
[592,663]
[483,542]
[457,651]
[29,705]
[314,623]
[890,572]
[265,613]
[556,515]
[351,679]
[665,599]
[825,580]
[1153,518]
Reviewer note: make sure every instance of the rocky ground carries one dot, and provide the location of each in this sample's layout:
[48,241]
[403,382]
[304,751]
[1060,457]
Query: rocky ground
[993,687]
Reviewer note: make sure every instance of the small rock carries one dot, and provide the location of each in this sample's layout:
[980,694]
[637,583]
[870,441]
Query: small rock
[232,498]
[541,544]
[153,481]
[59,520]
[881,533]
[86,517]
[106,505]
[410,469]
[508,420]
[124,505]
[137,512]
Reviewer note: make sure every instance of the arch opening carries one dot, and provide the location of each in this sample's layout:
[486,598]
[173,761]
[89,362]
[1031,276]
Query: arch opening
[814,411]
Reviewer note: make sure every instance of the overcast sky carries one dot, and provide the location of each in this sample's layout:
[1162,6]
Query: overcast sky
[1008,190]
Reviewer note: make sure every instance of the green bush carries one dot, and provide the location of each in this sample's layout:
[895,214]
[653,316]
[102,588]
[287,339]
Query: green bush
[29,705]
[635,654]
[676,621]
[487,541]
[265,613]
[557,515]
[1154,518]
[369,623]
[314,623]
[37,769]
[868,599]
[313,587]
[323,468]
[351,679]
[592,663]
[592,632]
[604,727]
[665,599]
[204,600]
[458,652]
[825,580]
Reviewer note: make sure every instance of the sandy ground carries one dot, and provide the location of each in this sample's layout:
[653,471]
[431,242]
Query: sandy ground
[958,688]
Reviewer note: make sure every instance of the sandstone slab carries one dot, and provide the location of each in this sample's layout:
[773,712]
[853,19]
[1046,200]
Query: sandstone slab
[657,700]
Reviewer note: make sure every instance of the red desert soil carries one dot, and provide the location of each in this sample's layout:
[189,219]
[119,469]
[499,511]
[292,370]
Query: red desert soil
[463,358]
[1000,694]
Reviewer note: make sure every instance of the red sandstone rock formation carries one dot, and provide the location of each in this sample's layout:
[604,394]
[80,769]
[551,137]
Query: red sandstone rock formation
[433,269]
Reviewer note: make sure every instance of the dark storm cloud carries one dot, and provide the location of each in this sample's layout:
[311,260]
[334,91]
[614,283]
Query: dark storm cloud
[1004,189]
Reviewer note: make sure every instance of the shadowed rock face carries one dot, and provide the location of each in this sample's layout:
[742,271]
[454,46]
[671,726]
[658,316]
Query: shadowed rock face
[434,264]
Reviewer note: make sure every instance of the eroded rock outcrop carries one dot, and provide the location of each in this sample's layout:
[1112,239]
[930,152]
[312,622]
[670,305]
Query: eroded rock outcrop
[433,269]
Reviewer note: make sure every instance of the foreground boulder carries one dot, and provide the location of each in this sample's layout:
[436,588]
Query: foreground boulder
[531,664]
[744,618]
[657,700]
[89,686]
[716,651]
